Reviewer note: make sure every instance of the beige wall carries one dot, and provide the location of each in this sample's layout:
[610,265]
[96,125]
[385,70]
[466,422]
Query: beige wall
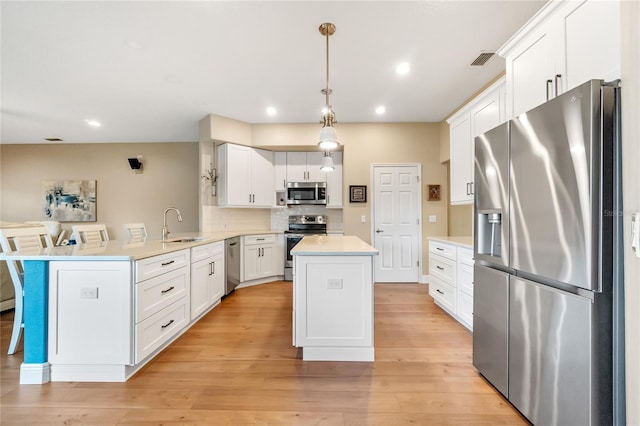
[460,216]
[630,12]
[371,143]
[169,178]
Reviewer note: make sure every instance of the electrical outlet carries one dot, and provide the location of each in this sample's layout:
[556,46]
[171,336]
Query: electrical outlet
[334,283]
[433,218]
[363,219]
[89,293]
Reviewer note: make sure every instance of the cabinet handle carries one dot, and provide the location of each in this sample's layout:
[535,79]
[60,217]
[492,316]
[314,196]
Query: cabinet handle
[438,290]
[284,183]
[210,269]
[470,188]
[439,248]
[213,270]
[548,83]
[440,267]
[168,263]
[167,290]
[259,239]
[249,197]
[557,78]
[167,324]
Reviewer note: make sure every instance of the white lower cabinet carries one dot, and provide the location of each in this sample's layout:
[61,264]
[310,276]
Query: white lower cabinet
[451,280]
[259,257]
[162,301]
[106,318]
[207,277]
[100,293]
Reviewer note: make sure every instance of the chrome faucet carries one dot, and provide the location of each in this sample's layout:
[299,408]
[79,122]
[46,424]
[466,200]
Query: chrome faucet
[165,228]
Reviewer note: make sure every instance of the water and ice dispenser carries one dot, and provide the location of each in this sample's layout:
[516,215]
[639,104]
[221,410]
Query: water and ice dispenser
[489,230]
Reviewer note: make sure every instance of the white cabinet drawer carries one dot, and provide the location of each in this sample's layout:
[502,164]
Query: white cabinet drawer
[443,293]
[442,249]
[204,252]
[159,328]
[442,268]
[250,240]
[465,256]
[159,292]
[465,309]
[157,265]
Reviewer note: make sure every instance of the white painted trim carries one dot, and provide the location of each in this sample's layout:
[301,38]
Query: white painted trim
[35,374]
[424,279]
[259,281]
[338,353]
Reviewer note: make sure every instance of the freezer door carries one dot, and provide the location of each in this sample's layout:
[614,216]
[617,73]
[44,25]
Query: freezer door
[491,182]
[550,355]
[491,326]
[561,186]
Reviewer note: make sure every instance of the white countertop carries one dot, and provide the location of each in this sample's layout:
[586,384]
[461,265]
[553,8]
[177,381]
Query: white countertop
[128,250]
[333,245]
[466,242]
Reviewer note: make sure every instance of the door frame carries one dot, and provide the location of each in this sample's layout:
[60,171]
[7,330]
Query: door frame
[372,230]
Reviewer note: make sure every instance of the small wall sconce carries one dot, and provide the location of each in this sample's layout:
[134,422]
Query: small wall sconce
[136,164]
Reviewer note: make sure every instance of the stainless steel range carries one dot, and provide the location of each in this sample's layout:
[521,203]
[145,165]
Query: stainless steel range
[299,227]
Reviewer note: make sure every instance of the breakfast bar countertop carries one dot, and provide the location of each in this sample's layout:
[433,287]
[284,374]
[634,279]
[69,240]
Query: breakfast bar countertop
[128,249]
[332,245]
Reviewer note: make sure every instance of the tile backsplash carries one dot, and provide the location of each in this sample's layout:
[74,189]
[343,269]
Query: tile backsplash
[228,219]
[280,216]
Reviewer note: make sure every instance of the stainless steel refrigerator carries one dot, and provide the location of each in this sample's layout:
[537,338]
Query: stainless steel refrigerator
[548,296]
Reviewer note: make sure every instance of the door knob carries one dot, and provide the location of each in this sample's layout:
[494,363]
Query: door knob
[379,231]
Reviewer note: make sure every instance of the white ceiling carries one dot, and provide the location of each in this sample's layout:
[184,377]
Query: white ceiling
[150,70]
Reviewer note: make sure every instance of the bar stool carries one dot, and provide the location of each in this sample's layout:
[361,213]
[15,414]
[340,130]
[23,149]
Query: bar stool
[14,239]
[90,233]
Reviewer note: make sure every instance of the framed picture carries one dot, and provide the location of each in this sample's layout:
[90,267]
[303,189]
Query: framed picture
[357,193]
[434,192]
[69,200]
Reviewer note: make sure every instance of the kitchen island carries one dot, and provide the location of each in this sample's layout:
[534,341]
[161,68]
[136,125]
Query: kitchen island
[333,298]
[101,311]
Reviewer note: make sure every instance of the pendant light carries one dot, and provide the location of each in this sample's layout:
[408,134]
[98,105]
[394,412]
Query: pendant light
[327,162]
[328,136]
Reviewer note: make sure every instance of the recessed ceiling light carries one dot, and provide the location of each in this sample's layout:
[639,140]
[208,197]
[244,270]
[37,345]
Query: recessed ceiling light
[381,109]
[403,68]
[93,123]
[271,111]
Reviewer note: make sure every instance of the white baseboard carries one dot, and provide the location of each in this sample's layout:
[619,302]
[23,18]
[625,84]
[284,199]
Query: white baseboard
[35,374]
[424,279]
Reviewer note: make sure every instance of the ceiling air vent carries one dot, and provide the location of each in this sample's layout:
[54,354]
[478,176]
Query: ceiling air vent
[482,59]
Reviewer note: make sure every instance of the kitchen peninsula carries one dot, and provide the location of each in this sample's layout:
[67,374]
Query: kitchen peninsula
[333,298]
[101,311]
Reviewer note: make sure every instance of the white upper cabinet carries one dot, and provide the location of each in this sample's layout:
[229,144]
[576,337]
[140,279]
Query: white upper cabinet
[334,182]
[561,47]
[483,113]
[280,170]
[246,176]
[305,167]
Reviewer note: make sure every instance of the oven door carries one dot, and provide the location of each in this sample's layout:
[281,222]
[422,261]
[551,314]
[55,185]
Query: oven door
[290,241]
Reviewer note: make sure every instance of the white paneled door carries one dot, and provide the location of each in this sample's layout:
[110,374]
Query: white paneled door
[396,219]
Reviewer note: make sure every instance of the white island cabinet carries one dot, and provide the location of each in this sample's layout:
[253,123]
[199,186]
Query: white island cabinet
[333,298]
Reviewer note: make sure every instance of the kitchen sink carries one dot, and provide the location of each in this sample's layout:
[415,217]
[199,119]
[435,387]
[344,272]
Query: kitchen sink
[183,240]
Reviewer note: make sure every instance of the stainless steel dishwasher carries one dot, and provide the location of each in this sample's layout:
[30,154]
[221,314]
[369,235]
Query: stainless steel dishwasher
[232,264]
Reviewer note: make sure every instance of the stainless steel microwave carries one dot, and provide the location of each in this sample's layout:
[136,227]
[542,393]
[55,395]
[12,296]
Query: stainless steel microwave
[306,193]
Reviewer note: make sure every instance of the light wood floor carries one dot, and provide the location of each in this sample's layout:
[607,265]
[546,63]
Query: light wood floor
[236,366]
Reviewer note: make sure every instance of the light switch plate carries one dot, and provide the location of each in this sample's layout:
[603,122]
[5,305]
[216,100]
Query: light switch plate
[433,218]
[363,219]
